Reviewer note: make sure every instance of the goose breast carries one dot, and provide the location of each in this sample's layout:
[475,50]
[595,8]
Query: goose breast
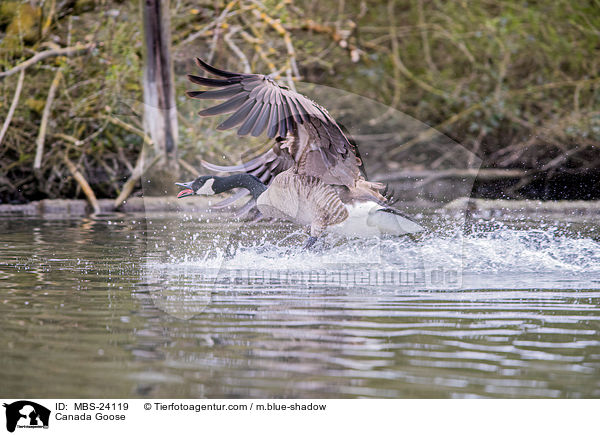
[302,199]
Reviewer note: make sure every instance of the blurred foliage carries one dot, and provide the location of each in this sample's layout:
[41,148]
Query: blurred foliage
[516,83]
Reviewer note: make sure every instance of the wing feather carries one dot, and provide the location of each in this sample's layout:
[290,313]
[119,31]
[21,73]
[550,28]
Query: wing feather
[213,83]
[219,94]
[256,105]
[293,109]
[261,122]
[218,72]
[238,117]
[228,106]
[250,119]
[273,123]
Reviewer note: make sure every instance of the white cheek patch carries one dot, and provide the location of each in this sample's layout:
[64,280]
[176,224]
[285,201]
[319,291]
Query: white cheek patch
[206,188]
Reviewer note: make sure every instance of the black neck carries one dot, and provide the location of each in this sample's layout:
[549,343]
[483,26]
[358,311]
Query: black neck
[247,181]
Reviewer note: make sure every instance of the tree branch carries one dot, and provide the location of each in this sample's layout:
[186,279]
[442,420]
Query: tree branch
[13,105]
[128,127]
[137,173]
[397,61]
[430,132]
[37,163]
[87,190]
[43,55]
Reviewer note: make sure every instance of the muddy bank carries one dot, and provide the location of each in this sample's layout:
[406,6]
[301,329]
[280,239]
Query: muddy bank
[80,207]
[513,184]
[489,208]
[486,208]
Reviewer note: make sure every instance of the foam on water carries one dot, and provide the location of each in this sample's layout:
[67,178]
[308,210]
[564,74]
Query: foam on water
[501,257]
[530,251]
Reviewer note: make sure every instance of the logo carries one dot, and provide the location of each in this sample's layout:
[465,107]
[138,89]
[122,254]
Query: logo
[26,414]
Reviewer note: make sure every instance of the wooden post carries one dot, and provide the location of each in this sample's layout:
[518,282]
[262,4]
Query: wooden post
[160,113]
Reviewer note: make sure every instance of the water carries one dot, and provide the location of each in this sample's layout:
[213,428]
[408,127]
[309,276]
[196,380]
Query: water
[166,306]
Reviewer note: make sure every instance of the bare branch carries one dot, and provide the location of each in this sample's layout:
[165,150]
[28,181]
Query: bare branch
[37,163]
[430,132]
[43,55]
[397,61]
[137,173]
[429,176]
[87,190]
[129,128]
[217,24]
[189,167]
[13,105]
[239,53]
[425,37]
[276,25]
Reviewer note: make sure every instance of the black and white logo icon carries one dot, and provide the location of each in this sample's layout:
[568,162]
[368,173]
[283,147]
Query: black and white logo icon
[26,414]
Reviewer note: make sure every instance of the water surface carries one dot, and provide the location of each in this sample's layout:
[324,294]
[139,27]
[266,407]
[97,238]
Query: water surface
[167,306]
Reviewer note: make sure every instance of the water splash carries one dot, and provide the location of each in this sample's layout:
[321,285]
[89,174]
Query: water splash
[495,255]
[525,251]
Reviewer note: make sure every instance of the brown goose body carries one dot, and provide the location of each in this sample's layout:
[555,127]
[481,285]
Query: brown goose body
[303,199]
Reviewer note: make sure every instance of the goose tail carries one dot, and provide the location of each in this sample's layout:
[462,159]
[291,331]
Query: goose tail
[366,219]
[390,221]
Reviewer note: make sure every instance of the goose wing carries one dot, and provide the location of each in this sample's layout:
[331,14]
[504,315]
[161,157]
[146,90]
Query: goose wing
[306,135]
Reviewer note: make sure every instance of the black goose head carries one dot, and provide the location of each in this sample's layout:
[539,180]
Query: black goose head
[202,185]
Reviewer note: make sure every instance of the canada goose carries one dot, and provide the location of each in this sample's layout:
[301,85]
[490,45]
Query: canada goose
[312,175]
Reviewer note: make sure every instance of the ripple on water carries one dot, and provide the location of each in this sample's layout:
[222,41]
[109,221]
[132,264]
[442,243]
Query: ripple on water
[86,313]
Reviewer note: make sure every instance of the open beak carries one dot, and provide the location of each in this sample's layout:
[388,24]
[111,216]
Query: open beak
[186,189]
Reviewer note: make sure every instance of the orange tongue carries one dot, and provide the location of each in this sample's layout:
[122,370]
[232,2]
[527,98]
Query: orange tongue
[185,192]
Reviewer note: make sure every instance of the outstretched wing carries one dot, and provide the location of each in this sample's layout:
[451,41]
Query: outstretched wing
[307,136]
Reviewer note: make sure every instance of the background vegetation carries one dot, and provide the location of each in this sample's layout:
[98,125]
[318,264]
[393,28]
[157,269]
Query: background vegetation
[516,83]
